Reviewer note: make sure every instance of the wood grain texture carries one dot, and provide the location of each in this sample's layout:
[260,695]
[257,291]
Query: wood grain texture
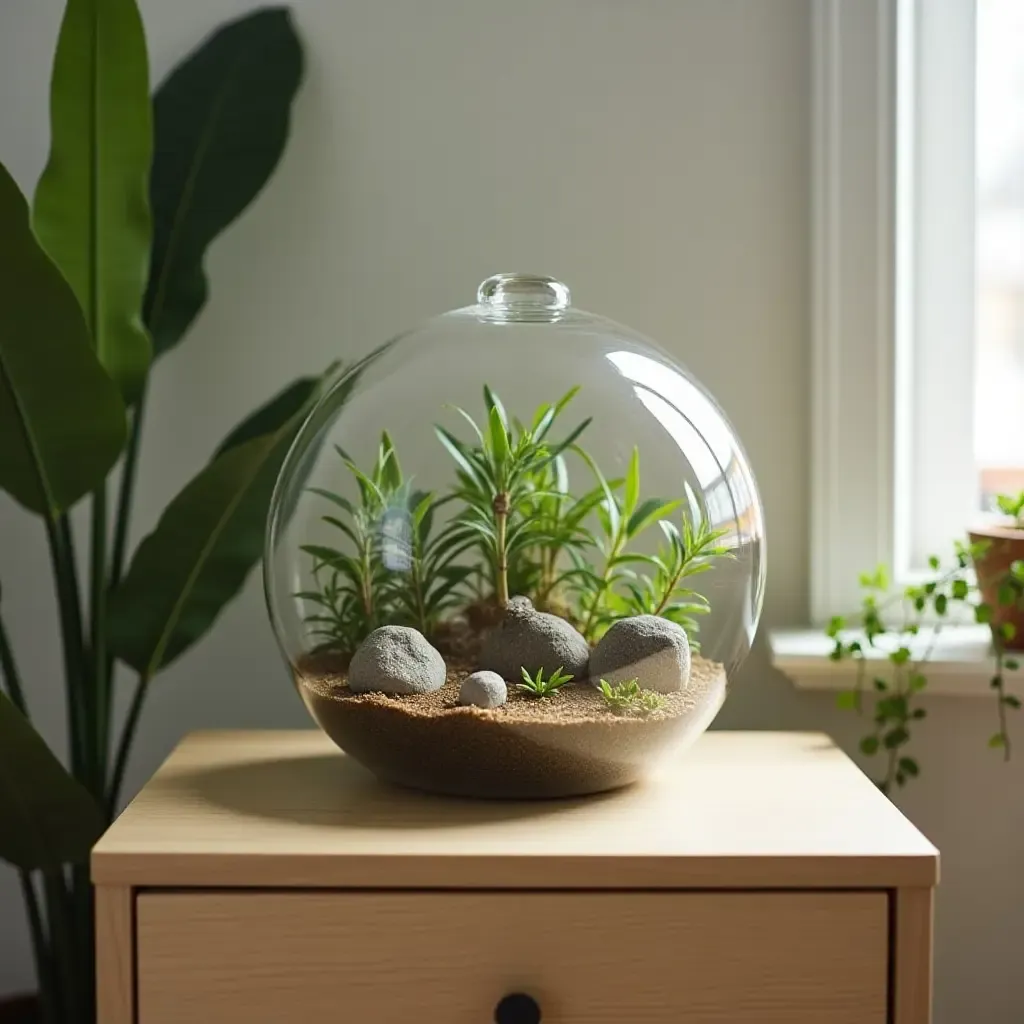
[287,809]
[115,955]
[912,952]
[594,958]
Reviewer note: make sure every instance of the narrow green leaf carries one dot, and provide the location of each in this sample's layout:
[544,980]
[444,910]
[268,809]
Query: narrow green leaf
[91,209]
[648,513]
[48,818]
[62,421]
[498,437]
[199,555]
[631,493]
[221,121]
[493,403]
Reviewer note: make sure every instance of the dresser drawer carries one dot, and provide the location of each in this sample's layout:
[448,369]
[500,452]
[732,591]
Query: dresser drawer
[447,958]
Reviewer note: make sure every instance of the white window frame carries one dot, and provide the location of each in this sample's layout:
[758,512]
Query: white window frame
[892,286]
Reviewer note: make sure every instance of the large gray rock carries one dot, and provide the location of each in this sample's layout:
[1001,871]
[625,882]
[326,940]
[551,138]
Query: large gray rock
[651,650]
[396,659]
[483,690]
[527,638]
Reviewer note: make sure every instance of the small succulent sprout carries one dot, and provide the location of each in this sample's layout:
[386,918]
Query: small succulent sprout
[538,686]
[629,698]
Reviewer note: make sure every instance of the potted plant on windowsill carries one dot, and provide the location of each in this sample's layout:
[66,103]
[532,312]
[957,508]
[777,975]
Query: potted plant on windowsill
[890,623]
[998,555]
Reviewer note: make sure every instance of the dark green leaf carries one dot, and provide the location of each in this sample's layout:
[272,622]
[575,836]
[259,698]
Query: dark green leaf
[983,613]
[960,589]
[1007,630]
[1011,663]
[869,745]
[895,738]
[1007,596]
[91,210]
[268,417]
[1012,701]
[933,562]
[848,700]
[62,421]
[909,766]
[48,818]
[220,122]
[197,558]
[941,602]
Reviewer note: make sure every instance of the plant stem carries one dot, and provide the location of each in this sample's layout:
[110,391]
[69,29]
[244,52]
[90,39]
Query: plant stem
[41,953]
[100,696]
[124,747]
[9,672]
[618,543]
[1000,685]
[65,575]
[501,555]
[67,1000]
[123,516]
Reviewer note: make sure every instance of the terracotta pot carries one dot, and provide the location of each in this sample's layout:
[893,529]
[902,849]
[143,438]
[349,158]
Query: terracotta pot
[20,1010]
[1005,546]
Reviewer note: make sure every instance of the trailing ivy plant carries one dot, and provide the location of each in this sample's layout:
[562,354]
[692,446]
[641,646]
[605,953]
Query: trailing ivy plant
[890,622]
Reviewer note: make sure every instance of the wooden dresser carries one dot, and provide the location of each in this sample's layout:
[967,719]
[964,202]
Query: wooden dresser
[263,878]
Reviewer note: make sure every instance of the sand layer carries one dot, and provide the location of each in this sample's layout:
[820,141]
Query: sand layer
[564,745]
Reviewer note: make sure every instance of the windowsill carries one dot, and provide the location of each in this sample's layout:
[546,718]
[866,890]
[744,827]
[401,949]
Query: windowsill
[960,664]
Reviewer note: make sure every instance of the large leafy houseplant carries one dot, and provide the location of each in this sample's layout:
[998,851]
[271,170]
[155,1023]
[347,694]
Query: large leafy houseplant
[98,279]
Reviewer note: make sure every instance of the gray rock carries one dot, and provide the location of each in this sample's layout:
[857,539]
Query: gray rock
[483,690]
[652,650]
[396,659]
[532,640]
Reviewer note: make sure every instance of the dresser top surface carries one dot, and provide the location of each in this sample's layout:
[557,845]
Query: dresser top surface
[737,810]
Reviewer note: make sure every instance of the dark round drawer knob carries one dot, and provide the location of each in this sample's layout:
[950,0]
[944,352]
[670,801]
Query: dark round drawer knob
[517,1008]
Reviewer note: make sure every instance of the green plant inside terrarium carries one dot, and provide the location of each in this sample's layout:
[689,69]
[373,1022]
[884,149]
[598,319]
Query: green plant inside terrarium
[513,526]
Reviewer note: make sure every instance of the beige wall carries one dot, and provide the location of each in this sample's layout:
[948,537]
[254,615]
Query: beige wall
[655,155]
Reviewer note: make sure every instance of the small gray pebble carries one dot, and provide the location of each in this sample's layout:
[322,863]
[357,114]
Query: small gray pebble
[534,640]
[483,690]
[397,660]
[647,648]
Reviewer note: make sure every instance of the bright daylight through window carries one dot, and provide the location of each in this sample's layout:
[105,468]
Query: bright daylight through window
[999,300]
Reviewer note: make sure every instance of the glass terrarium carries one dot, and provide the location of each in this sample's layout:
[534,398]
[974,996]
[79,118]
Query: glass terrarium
[517,552]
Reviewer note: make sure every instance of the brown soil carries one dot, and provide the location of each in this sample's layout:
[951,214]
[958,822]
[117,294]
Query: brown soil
[564,745]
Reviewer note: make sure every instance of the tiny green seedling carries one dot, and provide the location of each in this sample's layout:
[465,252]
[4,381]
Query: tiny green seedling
[538,686]
[629,698]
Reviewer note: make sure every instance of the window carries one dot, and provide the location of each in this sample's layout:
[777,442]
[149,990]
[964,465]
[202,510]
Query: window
[918,263]
[999,246]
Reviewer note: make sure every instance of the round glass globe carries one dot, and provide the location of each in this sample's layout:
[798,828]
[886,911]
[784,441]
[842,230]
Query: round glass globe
[516,492]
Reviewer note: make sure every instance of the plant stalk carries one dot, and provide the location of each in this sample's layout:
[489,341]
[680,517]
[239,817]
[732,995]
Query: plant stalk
[100,696]
[40,947]
[501,554]
[67,997]
[65,575]
[125,498]
[131,724]
[9,672]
